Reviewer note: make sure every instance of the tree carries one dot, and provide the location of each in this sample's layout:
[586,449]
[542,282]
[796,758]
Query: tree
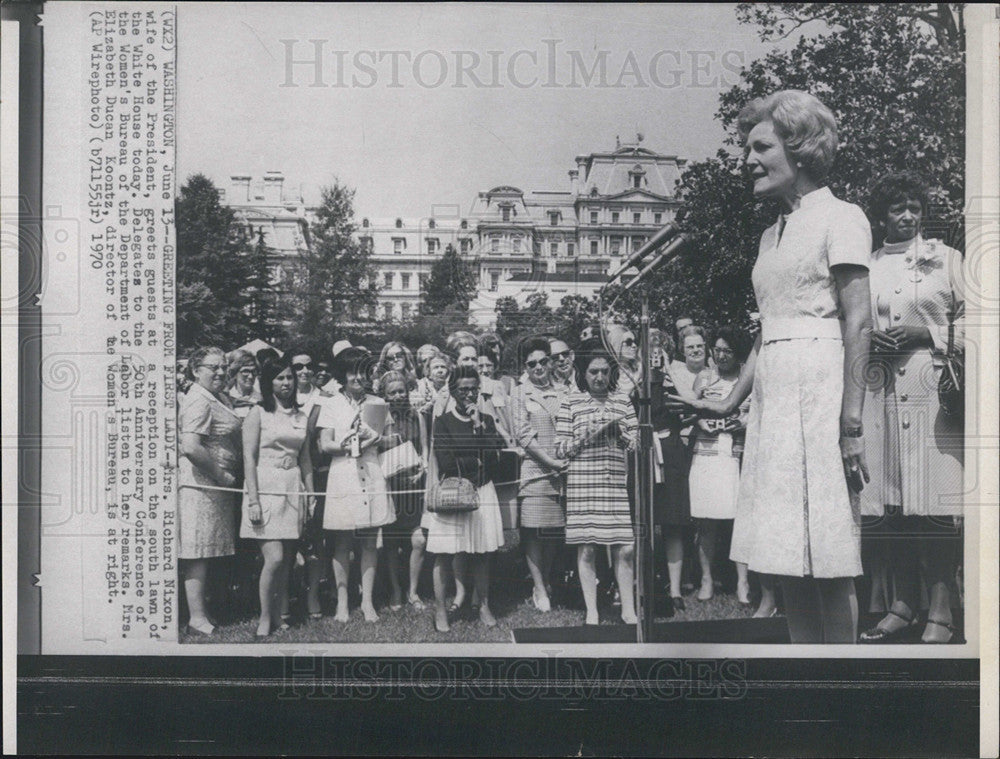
[452,282]
[893,75]
[334,282]
[261,301]
[214,268]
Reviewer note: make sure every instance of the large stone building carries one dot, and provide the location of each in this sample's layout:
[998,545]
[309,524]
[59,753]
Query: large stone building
[560,241]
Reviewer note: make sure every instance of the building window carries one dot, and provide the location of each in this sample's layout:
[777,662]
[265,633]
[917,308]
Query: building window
[554,218]
[464,224]
[657,218]
[554,248]
[637,218]
[404,310]
[593,217]
[466,245]
[570,248]
[397,245]
[616,246]
[495,245]
[637,181]
[505,213]
[404,282]
[433,245]
[636,243]
[431,224]
[388,280]
[593,247]
[364,223]
[399,223]
[614,217]
[494,281]
[366,244]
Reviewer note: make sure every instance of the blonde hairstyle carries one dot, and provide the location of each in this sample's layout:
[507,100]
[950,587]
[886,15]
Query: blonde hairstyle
[804,124]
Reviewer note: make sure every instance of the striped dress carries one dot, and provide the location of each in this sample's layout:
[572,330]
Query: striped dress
[597,504]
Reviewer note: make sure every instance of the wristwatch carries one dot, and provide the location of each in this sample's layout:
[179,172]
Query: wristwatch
[855,431]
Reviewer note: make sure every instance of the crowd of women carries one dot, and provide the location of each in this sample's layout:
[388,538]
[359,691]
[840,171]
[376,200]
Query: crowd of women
[827,430]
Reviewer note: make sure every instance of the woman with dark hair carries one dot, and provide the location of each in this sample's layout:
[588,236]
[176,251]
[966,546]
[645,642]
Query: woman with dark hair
[466,444]
[356,504]
[278,468]
[917,456]
[534,406]
[714,479]
[595,429]
[404,425]
[796,514]
[209,455]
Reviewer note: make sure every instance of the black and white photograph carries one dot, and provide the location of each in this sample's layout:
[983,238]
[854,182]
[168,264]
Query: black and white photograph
[598,331]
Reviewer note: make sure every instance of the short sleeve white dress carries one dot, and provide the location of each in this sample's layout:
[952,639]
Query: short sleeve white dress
[795,515]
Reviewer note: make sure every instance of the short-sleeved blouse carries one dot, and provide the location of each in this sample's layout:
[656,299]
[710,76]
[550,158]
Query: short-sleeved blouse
[792,278]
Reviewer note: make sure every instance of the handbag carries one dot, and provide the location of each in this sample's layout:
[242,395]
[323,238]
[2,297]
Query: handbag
[403,459]
[951,385]
[451,495]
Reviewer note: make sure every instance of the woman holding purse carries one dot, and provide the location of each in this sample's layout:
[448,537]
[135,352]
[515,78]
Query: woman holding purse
[916,453]
[466,446]
[405,428]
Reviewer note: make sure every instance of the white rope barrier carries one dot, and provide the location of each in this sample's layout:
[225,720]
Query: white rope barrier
[223,489]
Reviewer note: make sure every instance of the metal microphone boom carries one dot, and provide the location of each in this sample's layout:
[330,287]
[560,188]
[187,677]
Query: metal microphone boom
[669,254]
[652,244]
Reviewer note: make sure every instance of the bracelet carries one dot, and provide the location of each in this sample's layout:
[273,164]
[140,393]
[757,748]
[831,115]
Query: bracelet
[855,431]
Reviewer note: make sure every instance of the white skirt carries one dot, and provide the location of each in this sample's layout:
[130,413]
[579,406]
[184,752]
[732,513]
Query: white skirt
[714,481]
[479,531]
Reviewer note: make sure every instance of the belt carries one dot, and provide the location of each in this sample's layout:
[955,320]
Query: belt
[279,461]
[801,327]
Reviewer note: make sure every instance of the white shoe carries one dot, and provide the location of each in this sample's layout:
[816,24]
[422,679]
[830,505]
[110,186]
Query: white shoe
[541,601]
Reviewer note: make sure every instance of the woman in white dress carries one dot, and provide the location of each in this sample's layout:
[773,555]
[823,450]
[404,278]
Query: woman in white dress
[916,447]
[797,516]
[714,479]
[356,503]
[278,469]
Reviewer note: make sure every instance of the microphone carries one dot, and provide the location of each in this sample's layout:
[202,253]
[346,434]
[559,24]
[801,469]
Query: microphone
[652,244]
[669,253]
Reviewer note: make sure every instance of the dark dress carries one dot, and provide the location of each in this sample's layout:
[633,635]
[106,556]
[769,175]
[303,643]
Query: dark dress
[671,504]
[409,505]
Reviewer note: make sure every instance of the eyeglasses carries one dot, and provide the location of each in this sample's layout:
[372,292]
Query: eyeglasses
[248,372]
[560,355]
[466,390]
[724,351]
[629,341]
[694,349]
[395,356]
[213,367]
[300,367]
[539,362]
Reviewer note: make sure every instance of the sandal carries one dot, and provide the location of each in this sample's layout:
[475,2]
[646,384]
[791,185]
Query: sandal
[881,635]
[939,623]
[416,603]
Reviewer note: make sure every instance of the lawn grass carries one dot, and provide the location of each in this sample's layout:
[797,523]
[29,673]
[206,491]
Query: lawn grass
[510,602]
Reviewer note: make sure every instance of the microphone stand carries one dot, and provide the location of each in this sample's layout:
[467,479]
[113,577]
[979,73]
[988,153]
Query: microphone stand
[643,467]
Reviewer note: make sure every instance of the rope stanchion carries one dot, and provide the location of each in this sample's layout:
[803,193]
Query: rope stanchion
[224,489]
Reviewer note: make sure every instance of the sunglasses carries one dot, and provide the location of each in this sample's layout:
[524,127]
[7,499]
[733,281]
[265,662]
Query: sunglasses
[300,367]
[394,356]
[629,341]
[539,362]
[560,355]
